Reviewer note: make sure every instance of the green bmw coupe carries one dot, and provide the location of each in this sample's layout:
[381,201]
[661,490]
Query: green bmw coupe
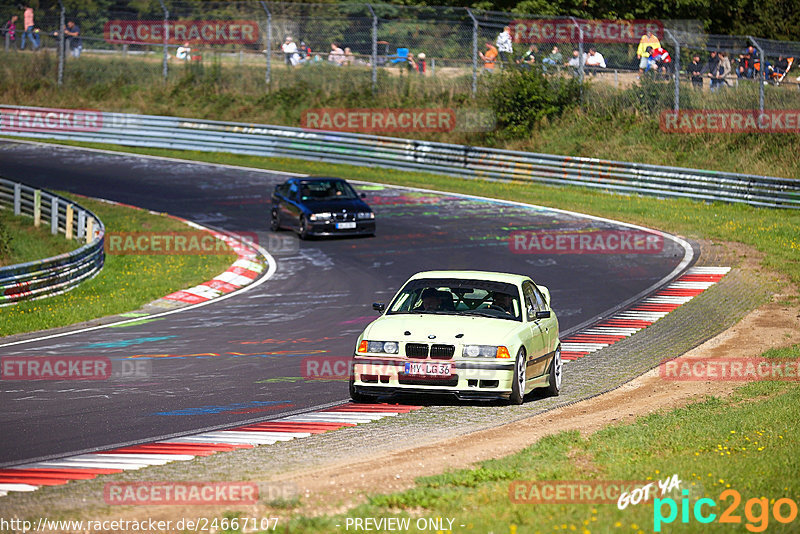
[472,334]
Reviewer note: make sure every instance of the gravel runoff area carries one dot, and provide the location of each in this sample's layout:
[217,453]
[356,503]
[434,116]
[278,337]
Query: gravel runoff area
[743,289]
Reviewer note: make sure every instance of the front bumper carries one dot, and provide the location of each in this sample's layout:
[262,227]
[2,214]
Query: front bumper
[328,228]
[469,379]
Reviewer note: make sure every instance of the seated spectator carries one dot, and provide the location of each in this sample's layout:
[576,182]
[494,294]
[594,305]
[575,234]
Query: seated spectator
[289,48]
[711,69]
[594,60]
[349,58]
[648,39]
[661,60]
[696,72]
[490,57]
[574,63]
[184,51]
[747,62]
[529,57]
[337,54]
[553,60]
[422,65]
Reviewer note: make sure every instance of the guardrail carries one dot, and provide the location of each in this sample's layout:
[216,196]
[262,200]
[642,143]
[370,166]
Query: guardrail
[396,153]
[51,276]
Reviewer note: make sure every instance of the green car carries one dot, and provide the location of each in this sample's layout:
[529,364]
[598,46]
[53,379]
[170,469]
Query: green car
[472,334]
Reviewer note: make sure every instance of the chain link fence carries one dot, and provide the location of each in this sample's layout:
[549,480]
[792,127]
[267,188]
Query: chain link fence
[267,46]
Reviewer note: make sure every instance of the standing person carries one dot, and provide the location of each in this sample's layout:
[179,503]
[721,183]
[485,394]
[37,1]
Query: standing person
[648,39]
[73,33]
[33,36]
[747,62]
[490,57]
[422,65]
[504,45]
[10,30]
[696,72]
[724,68]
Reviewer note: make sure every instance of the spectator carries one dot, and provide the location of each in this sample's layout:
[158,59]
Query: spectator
[184,51]
[747,62]
[711,68]
[348,58]
[648,39]
[574,63]
[723,70]
[594,60]
[553,60]
[10,30]
[696,72]
[289,48]
[337,54]
[304,51]
[490,57]
[529,57]
[73,36]
[504,44]
[660,60]
[30,31]
[422,65]
[781,66]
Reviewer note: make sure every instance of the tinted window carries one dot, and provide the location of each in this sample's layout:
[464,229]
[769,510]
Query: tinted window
[459,297]
[322,190]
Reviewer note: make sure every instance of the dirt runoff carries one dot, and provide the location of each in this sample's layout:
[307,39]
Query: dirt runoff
[338,487]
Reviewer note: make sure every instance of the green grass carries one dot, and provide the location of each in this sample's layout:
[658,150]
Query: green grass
[125,283]
[746,442]
[27,243]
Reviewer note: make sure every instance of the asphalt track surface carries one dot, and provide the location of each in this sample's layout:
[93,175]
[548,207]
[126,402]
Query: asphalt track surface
[242,358]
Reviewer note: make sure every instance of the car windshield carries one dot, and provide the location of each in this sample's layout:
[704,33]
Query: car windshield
[323,190]
[439,296]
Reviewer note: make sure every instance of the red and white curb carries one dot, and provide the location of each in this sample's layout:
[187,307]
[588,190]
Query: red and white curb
[626,323]
[30,477]
[242,272]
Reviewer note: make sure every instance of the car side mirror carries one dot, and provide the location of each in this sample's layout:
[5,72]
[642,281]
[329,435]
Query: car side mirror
[542,314]
[379,306]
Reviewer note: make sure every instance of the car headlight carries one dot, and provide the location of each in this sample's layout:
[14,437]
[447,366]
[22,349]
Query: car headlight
[325,216]
[388,347]
[365,215]
[484,351]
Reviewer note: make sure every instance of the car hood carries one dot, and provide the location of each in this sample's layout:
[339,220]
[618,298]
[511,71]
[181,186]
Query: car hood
[319,206]
[475,330]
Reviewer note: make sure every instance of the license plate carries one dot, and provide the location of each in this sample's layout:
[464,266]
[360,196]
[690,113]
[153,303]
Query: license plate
[345,226]
[432,370]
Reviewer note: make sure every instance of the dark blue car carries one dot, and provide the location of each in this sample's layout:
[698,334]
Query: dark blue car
[320,206]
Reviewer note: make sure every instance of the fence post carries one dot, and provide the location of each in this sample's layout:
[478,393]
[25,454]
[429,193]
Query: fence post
[268,51]
[374,49]
[677,105]
[761,76]
[54,215]
[61,48]
[70,221]
[17,199]
[474,52]
[37,208]
[166,40]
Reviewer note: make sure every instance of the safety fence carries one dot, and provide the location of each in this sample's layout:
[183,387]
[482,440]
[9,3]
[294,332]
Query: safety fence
[407,155]
[51,276]
[152,40]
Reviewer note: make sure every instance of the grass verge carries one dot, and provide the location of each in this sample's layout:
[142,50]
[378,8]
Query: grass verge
[24,242]
[125,283]
[746,442]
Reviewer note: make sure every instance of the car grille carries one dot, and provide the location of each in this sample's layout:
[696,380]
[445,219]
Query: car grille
[416,381]
[416,350]
[442,352]
[343,216]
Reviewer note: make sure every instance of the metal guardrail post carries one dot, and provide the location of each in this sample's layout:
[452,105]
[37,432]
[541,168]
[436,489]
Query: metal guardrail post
[166,40]
[374,49]
[62,52]
[761,75]
[268,51]
[474,52]
[17,199]
[677,66]
[54,215]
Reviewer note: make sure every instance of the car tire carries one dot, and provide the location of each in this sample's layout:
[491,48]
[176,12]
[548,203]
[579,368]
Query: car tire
[556,370]
[274,221]
[518,385]
[359,397]
[303,228]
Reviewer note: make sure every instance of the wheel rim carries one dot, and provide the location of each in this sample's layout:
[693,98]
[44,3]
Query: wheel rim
[521,373]
[557,368]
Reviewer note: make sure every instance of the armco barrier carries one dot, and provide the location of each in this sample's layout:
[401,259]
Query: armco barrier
[402,154]
[50,276]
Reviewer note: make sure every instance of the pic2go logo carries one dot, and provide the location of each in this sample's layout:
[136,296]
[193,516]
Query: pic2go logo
[756,511]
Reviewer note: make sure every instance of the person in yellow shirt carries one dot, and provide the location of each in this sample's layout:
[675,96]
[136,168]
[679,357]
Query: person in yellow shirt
[648,39]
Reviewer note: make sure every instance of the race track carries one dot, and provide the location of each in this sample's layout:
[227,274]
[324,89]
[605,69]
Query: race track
[240,359]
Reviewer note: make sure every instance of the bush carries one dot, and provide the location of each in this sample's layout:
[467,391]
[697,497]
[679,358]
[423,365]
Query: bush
[521,98]
[5,242]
